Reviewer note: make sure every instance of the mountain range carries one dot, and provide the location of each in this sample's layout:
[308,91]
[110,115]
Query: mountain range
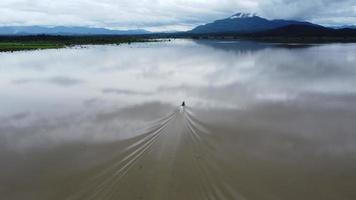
[245,23]
[344,26]
[66,30]
[238,24]
[251,25]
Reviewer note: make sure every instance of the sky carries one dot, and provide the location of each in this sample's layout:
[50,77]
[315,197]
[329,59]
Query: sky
[168,15]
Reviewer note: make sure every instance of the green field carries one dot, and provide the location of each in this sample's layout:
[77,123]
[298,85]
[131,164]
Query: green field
[15,46]
[20,43]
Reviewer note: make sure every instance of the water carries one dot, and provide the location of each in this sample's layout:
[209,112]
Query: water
[262,121]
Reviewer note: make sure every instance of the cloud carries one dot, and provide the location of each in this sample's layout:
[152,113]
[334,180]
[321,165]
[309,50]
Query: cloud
[123,14]
[60,81]
[161,15]
[124,92]
[328,12]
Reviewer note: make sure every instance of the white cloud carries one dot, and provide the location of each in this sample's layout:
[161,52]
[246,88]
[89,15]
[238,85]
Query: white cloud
[327,12]
[166,14]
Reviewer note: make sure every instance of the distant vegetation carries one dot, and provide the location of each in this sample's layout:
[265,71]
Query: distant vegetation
[287,34]
[18,46]
[18,43]
[240,26]
[300,33]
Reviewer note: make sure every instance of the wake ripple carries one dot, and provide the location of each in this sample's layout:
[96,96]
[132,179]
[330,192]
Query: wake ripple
[172,158]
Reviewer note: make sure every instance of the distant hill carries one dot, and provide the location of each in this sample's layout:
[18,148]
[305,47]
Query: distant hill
[306,31]
[344,26]
[65,30]
[244,23]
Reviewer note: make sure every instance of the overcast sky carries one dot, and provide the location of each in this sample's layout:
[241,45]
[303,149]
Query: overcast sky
[162,15]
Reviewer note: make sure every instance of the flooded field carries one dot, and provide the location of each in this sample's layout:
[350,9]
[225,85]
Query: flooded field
[261,122]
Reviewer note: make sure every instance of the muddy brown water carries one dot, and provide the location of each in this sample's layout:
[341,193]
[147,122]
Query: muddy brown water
[262,121]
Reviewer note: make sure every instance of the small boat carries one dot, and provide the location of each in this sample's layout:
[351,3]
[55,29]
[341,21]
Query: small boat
[182,107]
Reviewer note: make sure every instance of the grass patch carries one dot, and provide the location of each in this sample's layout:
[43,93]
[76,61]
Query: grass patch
[15,46]
[37,42]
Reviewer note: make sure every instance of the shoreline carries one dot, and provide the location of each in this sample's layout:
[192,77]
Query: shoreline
[42,42]
[285,40]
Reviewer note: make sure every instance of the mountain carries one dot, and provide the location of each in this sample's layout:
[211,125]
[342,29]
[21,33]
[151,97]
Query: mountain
[244,23]
[65,30]
[344,26]
[306,31]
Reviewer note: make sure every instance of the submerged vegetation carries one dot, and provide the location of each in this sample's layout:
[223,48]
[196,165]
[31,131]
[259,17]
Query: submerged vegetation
[19,43]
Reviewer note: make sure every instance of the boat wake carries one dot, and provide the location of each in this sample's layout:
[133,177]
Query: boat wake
[172,158]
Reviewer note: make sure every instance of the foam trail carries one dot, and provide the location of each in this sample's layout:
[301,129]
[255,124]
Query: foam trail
[133,151]
[168,146]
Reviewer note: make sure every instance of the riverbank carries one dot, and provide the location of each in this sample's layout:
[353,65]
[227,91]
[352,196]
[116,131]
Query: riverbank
[16,46]
[285,40]
[39,42]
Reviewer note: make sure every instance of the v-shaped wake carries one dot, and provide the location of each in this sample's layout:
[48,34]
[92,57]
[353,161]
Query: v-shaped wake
[173,155]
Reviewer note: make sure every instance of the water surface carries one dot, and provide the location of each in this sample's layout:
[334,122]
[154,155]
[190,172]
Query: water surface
[263,121]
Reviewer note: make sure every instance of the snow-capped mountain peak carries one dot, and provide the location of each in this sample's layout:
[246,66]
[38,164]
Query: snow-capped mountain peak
[243,15]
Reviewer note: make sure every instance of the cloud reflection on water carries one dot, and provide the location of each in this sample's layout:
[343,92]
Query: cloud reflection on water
[277,117]
[207,74]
